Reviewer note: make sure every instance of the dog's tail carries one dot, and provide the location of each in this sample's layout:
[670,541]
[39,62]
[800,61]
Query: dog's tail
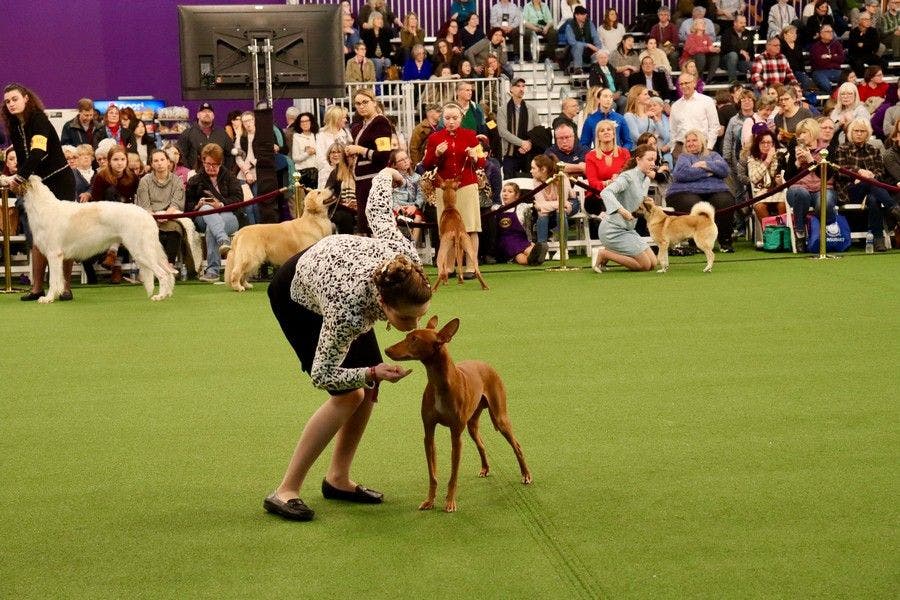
[704,208]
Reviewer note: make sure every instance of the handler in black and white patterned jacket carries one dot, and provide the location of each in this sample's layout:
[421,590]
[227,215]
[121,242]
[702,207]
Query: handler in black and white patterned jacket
[327,300]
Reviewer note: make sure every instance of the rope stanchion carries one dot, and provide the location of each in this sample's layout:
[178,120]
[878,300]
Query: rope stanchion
[226,208]
[823,194]
[753,200]
[844,171]
[7,265]
[560,179]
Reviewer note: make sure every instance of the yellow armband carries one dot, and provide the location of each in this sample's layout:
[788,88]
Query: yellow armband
[39,142]
[383,144]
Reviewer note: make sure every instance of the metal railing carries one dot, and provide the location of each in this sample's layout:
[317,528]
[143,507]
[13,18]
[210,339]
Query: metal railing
[406,100]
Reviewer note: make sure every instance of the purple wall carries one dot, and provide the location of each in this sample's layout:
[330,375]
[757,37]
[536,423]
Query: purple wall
[102,50]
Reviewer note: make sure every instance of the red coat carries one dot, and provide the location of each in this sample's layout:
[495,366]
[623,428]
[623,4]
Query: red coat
[452,162]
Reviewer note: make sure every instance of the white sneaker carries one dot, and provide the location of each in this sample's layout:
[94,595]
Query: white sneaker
[595,261]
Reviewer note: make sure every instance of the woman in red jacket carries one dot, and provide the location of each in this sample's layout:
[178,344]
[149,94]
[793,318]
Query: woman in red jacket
[602,165]
[456,153]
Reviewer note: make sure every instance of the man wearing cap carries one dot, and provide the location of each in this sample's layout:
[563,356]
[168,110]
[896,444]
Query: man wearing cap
[582,38]
[204,132]
[419,138]
[514,120]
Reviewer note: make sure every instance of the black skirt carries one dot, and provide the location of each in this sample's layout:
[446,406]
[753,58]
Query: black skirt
[302,327]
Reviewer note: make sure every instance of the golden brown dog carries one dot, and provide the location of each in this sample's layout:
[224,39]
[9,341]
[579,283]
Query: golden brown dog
[276,243]
[455,241]
[666,230]
[454,397]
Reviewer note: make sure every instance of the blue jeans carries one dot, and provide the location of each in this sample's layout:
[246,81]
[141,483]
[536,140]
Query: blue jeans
[826,78]
[252,212]
[547,222]
[801,199]
[578,49]
[878,198]
[218,229]
[733,62]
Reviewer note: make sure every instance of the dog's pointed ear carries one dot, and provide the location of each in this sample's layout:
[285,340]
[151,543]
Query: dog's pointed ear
[448,331]
[432,323]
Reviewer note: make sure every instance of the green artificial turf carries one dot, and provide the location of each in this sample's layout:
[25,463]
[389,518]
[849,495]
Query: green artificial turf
[724,435]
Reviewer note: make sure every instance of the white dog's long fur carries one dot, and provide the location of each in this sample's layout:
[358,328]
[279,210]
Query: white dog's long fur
[65,230]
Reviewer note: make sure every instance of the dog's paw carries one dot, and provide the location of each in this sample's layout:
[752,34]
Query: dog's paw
[527,479]
[46,299]
[708,269]
[484,472]
[663,270]
[450,506]
[427,505]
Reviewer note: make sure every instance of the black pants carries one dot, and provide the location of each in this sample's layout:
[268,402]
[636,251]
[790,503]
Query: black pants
[683,201]
[302,327]
[171,243]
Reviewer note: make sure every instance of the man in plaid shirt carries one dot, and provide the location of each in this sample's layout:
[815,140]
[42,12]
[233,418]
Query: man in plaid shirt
[771,67]
[858,155]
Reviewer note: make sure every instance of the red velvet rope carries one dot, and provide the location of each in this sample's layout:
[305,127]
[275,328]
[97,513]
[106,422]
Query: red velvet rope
[875,182]
[226,208]
[753,200]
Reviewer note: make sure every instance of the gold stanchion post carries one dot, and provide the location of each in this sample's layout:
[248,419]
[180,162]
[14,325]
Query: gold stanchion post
[7,266]
[299,195]
[823,203]
[561,219]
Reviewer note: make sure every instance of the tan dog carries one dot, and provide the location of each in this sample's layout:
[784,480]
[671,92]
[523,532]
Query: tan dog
[666,230]
[455,241]
[455,396]
[276,243]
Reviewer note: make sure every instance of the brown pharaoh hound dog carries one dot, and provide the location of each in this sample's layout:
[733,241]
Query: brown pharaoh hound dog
[455,241]
[454,397]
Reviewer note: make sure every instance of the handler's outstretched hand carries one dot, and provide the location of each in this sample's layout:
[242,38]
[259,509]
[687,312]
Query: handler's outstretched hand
[388,372]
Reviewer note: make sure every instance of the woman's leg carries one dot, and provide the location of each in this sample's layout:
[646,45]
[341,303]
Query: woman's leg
[345,446]
[629,262]
[38,266]
[318,432]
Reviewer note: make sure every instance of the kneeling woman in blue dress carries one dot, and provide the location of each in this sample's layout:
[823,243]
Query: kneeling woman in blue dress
[623,196]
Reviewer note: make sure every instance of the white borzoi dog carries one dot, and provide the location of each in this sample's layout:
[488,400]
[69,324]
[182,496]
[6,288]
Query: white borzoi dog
[64,230]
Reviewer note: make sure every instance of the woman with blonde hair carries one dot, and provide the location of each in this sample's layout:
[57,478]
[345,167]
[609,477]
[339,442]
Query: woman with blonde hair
[637,108]
[849,107]
[410,35]
[807,192]
[333,130]
[700,174]
[602,165]
[863,158]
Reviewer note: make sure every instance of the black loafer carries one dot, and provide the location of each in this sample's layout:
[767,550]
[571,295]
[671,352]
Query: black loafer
[360,495]
[293,509]
[66,296]
[32,296]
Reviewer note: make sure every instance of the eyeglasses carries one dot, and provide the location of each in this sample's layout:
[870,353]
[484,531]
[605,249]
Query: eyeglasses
[362,102]
[686,83]
[211,164]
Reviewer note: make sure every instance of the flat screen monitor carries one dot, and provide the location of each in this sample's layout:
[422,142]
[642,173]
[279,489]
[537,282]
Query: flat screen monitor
[217,63]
